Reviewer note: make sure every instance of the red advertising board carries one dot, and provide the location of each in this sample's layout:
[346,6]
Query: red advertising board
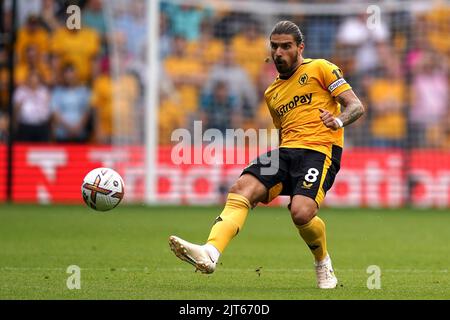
[54,173]
[2,172]
[368,177]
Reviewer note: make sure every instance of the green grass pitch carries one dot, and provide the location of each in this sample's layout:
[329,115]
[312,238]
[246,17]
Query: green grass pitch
[124,254]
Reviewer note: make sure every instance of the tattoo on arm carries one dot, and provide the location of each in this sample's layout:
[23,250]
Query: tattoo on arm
[351,113]
[353,108]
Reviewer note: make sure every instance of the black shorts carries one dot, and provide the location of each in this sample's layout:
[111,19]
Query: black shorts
[296,172]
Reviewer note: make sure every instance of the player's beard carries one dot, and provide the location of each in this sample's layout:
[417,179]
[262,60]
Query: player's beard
[284,68]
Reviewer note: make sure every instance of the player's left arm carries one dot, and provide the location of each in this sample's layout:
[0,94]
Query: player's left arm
[352,110]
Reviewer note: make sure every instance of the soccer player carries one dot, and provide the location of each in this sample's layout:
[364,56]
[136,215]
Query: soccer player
[305,102]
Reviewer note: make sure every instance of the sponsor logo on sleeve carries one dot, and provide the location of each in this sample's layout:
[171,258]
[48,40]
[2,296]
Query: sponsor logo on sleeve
[336,84]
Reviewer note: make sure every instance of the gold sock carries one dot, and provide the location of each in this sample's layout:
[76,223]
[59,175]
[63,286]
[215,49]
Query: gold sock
[314,235]
[230,221]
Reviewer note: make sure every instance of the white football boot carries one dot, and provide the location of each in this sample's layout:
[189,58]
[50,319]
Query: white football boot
[194,254]
[325,274]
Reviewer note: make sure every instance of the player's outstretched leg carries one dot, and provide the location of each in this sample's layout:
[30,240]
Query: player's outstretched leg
[312,230]
[225,227]
[243,194]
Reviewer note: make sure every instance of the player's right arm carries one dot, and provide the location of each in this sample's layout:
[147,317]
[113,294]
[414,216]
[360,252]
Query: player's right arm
[352,110]
[352,107]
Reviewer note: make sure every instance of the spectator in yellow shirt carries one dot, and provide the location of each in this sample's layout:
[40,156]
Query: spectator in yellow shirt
[387,99]
[32,33]
[32,62]
[438,27]
[115,102]
[206,48]
[77,47]
[251,48]
[186,73]
[438,135]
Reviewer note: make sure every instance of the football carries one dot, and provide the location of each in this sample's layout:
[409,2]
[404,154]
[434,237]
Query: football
[102,189]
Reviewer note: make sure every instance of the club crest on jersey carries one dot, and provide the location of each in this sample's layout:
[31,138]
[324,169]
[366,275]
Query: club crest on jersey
[303,79]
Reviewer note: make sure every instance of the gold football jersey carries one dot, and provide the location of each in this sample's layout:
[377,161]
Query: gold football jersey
[294,104]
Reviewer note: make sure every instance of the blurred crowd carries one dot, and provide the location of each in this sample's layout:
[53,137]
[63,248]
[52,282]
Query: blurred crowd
[66,89]
[399,68]
[87,85]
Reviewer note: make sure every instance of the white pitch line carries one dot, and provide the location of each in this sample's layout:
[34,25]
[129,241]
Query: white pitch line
[262,269]
[312,270]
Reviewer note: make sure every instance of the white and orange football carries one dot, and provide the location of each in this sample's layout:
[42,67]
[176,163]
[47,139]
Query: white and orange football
[102,189]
